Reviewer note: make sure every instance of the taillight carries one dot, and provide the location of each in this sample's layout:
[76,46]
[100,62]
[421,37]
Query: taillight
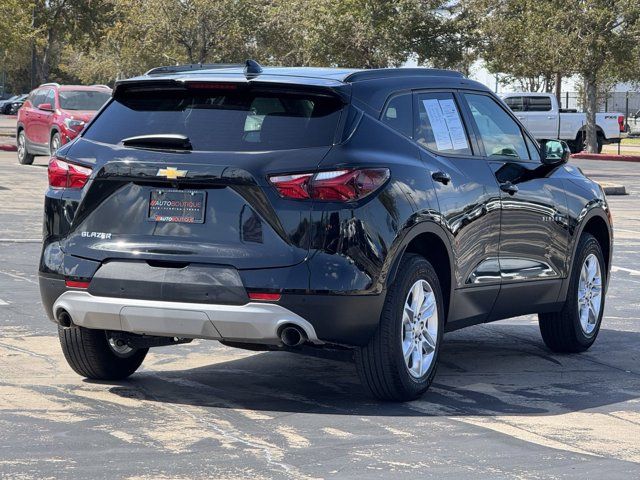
[621,123]
[336,185]
[67,175]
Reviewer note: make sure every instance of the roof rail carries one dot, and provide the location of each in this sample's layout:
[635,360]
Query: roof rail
[378,73]
[50,84]
[192,66]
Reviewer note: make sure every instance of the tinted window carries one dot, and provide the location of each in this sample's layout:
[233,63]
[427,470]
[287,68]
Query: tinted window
[500,134]
[515,103]
[399,114]
[37,97]
[50,98]
[439,124]
[222,120]
[83,99]
[539,104]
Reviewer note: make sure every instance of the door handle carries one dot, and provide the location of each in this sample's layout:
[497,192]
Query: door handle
[549,118]
[441,177]
[509,187]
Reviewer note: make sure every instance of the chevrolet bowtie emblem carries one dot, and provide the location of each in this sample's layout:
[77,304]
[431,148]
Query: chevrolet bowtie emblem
[171,173]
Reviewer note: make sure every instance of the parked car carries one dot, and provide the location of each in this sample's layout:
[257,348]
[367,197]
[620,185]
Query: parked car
[5,104]
[53,115]
[540,113]
[17,104]
[298,208]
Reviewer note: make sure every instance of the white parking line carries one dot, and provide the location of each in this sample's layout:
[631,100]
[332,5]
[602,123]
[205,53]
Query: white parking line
[628,270]
[2,302]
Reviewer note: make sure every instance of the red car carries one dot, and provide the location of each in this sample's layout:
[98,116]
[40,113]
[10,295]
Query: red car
[55,114]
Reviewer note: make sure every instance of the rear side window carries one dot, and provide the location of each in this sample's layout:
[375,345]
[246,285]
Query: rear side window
[215,120]
[399,113]
[83,99]
[539,104]
[439,124]
[500,134]
[516,104]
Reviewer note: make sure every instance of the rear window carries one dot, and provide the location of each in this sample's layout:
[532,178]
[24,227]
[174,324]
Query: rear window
[215,120]
[539,104]
[82,99]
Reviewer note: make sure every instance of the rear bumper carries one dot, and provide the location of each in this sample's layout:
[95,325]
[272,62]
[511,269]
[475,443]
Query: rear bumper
[252,322]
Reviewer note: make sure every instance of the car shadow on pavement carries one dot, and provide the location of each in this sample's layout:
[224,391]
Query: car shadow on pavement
[484,371]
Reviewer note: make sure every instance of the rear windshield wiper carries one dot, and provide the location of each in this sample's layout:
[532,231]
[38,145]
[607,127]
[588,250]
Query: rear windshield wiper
[162,141]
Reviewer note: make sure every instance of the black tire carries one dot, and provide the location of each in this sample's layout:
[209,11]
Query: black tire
[561,331]
[600,143]
[24,157]
[55,143]
[380,364]
[89,354]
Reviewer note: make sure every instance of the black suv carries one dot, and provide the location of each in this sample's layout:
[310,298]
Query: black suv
[302,208]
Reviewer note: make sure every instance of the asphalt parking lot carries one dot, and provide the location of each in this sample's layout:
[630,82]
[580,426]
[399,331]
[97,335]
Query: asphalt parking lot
[502,406]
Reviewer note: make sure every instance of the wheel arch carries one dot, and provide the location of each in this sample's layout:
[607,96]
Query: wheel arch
[429,240]
[595,222]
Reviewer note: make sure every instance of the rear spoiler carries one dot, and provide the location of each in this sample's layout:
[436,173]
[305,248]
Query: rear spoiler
[281,83]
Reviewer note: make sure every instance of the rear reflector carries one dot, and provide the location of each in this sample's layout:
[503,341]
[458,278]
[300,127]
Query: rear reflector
[63,174]
[335,185]
[76,284]
[264,297]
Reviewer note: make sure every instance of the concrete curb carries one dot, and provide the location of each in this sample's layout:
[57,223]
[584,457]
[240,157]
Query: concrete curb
[606,156]
[8,148]
[612,189]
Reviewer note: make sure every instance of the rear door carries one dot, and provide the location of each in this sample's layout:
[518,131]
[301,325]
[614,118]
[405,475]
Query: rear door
[542,121]
[32,115]
[212,202]
[41,123]
[468,199]
[534,229]
[518,106]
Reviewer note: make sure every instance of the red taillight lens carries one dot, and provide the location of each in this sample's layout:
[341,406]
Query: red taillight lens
[335,185]
[621,123]
[292,186]
[67,175]
[264,297]
[76,284]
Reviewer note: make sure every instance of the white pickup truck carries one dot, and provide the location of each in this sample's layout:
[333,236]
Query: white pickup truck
[540,114]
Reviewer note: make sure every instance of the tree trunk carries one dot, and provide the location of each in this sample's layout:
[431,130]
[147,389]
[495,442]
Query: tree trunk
[591,92]
[558,85]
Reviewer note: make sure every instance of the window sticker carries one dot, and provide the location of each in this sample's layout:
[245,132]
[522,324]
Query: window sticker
[446,124]
[454,123]
[438,124]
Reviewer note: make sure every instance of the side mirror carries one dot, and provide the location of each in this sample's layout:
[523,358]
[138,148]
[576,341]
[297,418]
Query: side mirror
[47,107]
[554,152]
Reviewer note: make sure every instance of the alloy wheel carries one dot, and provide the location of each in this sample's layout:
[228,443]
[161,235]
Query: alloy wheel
[589,294]
[419,328]
[21,145]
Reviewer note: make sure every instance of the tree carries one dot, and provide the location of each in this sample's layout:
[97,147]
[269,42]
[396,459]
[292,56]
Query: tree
[530,39]
[142,35]
[605,36]
[522,39]
[352,33]
[16,36]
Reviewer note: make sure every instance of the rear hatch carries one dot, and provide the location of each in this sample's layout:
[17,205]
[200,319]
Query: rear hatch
[181,175]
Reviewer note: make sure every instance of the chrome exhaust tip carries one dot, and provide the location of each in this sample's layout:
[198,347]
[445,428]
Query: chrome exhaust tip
[64,318]
[293,336]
